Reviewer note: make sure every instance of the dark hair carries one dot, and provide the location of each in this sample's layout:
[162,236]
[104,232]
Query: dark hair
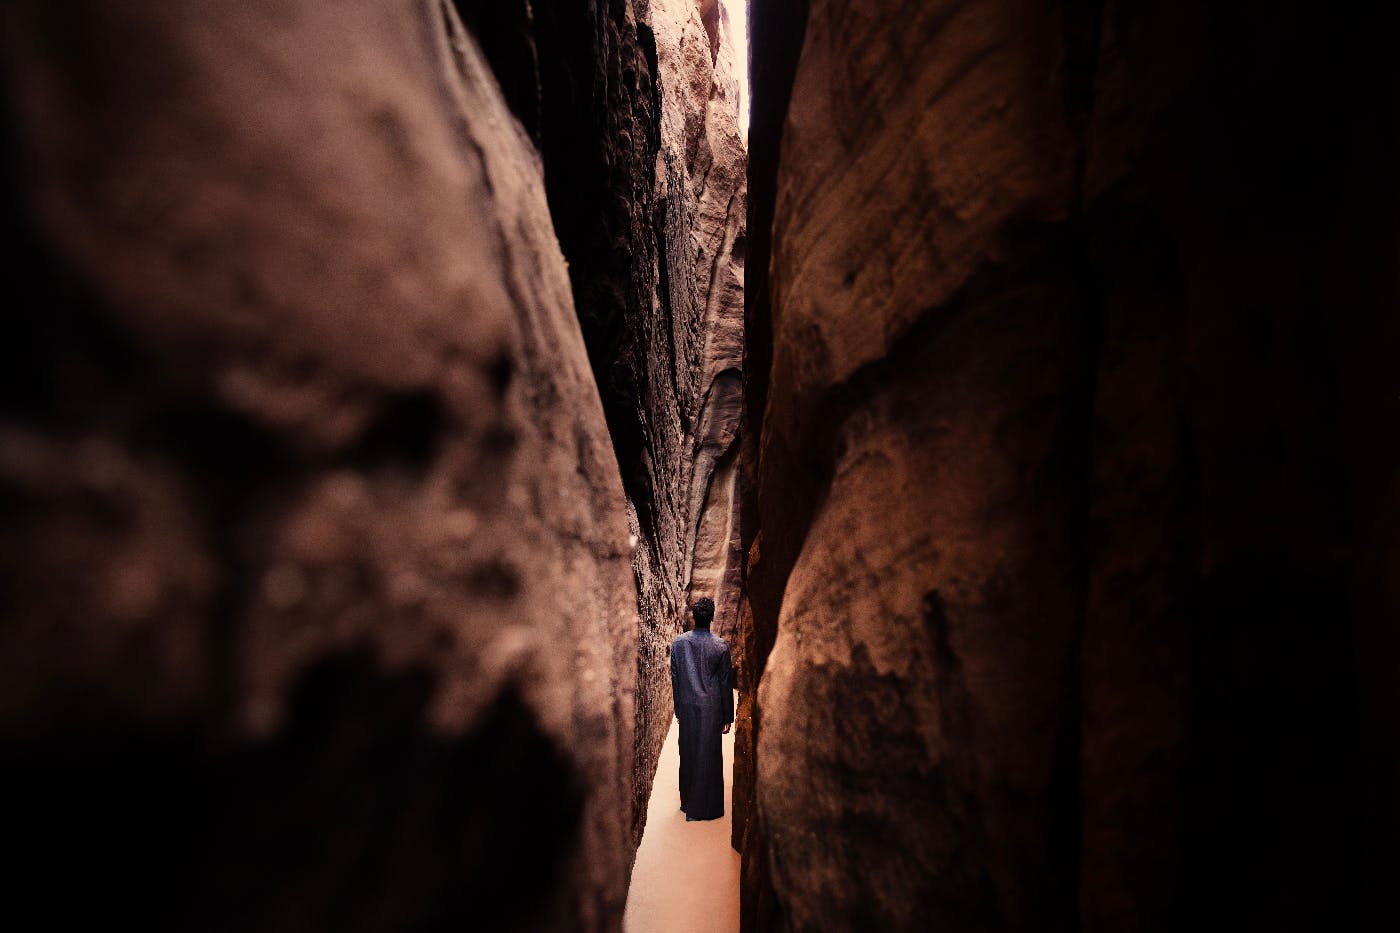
[704,611]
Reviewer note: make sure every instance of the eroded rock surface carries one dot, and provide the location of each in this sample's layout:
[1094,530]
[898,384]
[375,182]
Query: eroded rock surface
[306,483]
[696,337]
[1066,522]
[305,451]
[635,109]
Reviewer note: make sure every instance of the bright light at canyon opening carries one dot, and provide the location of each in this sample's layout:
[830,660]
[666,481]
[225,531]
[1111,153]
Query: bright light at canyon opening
[736,11]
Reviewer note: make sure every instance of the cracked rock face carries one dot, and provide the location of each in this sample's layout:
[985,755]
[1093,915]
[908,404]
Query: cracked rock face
[1066,524]
[306,483]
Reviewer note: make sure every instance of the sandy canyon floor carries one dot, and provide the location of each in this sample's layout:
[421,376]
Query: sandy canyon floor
[686,879]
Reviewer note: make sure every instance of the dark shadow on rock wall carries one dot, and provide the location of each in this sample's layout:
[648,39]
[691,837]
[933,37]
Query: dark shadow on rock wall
[356,816]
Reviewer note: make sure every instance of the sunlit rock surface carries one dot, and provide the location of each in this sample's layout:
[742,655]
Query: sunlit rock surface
[1065,510]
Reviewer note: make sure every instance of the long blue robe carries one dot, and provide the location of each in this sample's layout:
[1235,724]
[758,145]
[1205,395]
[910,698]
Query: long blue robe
[702,685]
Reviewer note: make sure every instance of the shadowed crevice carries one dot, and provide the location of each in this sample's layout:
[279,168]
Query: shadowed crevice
[358,793]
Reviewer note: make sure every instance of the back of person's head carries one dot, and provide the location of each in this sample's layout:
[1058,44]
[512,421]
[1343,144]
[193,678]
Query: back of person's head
[703,611]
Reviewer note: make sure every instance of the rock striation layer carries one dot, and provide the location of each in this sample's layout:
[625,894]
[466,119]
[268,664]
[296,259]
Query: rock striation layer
[635,110]
[306,482]
[1068,523]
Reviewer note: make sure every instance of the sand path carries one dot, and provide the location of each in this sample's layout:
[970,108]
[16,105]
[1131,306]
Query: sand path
[686,879]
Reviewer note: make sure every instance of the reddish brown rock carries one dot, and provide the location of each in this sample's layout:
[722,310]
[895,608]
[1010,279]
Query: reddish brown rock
[636,114]
[318,611]
[699,178]
[1065,522]
[716,204]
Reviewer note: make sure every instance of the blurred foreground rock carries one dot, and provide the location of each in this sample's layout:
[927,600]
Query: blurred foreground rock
[318,601]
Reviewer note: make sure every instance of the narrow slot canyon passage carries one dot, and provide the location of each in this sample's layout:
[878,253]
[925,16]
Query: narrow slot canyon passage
[385,382]
[686,875]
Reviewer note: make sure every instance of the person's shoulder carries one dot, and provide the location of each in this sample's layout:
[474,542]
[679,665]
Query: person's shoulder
[722,642]
[683,636]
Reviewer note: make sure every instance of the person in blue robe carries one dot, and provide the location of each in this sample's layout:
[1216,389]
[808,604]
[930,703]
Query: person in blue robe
[702,685]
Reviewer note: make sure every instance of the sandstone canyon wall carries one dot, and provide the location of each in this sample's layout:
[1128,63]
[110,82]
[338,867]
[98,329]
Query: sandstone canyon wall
[634,107]
[1069,485]
[371,378]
